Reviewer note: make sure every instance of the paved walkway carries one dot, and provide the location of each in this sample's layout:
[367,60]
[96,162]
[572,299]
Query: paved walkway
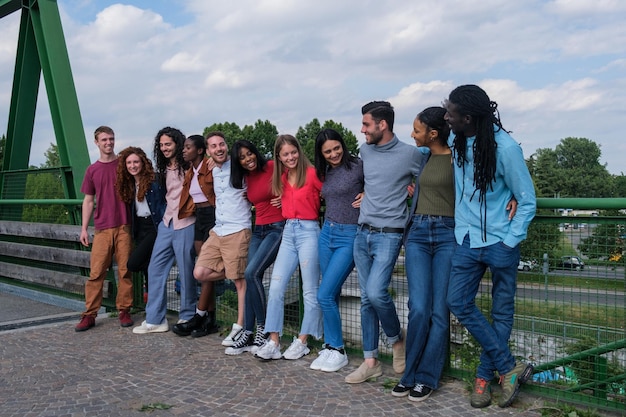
[50,370]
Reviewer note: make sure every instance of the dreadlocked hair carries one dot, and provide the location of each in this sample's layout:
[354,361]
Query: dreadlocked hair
[471,100]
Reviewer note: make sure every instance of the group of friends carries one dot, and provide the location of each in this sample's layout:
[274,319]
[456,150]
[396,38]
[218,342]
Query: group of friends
[472,200]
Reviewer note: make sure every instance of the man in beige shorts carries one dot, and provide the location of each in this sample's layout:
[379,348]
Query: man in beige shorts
[225,252]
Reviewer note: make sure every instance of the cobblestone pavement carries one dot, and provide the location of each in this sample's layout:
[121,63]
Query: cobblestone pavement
[51,370]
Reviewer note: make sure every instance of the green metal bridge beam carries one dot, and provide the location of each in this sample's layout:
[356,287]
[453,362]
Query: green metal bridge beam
[42,49]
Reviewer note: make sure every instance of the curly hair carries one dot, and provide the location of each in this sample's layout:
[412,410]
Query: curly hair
[125,183]
[161,161]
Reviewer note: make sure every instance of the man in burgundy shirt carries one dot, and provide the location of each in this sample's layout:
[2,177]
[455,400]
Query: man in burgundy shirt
[111,221]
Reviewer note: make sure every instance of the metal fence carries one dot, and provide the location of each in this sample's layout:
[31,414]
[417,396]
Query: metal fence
[570,317]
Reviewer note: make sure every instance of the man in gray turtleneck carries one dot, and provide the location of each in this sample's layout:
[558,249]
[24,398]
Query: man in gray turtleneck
[389,166]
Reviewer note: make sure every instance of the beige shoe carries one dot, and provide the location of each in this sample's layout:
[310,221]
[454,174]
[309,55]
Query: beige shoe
[399,354]
[364,373]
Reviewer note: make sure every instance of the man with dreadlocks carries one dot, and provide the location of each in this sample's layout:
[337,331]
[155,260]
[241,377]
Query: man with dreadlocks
[489,170]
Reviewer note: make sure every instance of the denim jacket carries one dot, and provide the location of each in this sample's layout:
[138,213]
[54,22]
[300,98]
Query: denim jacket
[155,198]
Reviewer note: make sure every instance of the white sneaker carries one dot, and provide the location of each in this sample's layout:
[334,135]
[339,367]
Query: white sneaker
[152,328]
[270,351]
[296,350]
[334,361]
[317,364]
[234,334]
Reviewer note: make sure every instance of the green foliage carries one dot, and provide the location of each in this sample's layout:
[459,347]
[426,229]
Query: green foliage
[604,242]
[52,157]
[572,169]
[46,186]
[566,410]
[232,132]
[584,368]
[619,182]
[541,238]
[155,406]
[263,135]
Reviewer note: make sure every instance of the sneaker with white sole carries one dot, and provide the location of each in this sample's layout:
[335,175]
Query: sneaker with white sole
[234,334]
[296,350]
[317,364]
[270,351]
[243,344]
[420,392]
[145,328]
[260,339]
[335,360]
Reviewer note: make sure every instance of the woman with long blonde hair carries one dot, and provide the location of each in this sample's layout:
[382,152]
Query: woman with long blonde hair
[295,181]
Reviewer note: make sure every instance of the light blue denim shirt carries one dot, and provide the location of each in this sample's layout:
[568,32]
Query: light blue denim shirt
[511,179]
[232,208]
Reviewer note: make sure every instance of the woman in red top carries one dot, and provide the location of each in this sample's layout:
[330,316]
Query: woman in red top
[250,166]
[296,182]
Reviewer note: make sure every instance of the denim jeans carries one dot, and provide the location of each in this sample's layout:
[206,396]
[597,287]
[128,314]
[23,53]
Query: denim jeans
[468,267]
[299,245]
[375,255]
[429,248]
[262,252]
[336,246]
[171,245]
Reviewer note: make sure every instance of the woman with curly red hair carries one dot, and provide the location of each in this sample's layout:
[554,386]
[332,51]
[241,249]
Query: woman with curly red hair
[136,185]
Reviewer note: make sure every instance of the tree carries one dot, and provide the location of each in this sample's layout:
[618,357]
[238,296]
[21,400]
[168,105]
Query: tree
[263,135]
[46,185]
[619,181]
[231,131]
[572,169]
[606,239]
[52,157]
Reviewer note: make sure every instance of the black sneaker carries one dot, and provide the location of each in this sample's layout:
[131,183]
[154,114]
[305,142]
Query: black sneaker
[260,339]
[208,326]
[400,390]
[419,393]
[185,329]
[244,344]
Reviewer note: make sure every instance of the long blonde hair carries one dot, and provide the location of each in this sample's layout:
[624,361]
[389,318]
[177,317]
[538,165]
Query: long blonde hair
[279,168]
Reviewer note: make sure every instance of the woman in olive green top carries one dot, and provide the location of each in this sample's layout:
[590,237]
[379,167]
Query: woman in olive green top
[430,245]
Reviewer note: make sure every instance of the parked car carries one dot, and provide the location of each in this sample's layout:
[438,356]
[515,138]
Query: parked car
[571,262]
[525,265]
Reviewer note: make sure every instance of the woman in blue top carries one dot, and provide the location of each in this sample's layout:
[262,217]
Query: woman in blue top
[342,174]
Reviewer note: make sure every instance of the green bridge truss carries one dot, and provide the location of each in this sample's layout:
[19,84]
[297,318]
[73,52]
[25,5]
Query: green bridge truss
[41,49]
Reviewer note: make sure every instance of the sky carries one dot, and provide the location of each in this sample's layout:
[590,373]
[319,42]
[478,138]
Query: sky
[556,68]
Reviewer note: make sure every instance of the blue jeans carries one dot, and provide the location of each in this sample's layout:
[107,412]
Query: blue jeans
[375,255]
[336,246]
[468,268]
[262,252]
[171,244]
[429,248]
[299,245]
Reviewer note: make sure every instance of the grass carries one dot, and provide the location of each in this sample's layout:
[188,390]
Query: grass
[155,406]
